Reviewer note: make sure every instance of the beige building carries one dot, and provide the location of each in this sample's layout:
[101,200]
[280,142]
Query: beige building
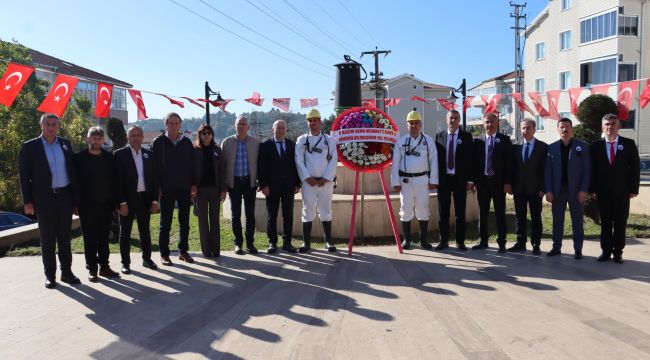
[580,43]
[503,84]
[405,86]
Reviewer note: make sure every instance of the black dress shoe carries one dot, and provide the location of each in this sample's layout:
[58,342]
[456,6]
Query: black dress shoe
[406,245]
[126,269]
[480,246]
[272,249]
[554,252]
[70,278]
[50,284]
[537,250]
[92,276]
[578,255]
[304,248]
[517,248]
[441,246]
[426,246]
[330,247]
[288,248]
[149,264]
[238,250]
[251,250]
[604,257]
[502,248]
[461,246]
[618,259]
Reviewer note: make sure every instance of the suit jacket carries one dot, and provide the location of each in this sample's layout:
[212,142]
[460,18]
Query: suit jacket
[623,178]
[127,177]
[219,167]
[274,171]
[462,156]
[34,170]
[229,148]
[502,161]
[579,169]
[528,179]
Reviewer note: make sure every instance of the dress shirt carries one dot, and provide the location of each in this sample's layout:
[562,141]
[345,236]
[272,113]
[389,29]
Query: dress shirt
[523,149]
[139,166]
[607,147]
[487,145]
[241,158]
[452,171]
[56,162]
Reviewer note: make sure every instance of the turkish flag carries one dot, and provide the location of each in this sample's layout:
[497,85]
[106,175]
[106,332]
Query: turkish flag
[602,89]
[174,102]
[103,102]
[193,101]
[369,103]
[12,82]
[553,99]
[644,98]
[485,98]
[626,92]
[282,103]
[255,99]
[57,99]
[448,105]
[468,102]
[136,96]
[417,98]
[492,106]
[391,102]
[537,102]
[521,103]
[574,95]
[221,104]
[305,103]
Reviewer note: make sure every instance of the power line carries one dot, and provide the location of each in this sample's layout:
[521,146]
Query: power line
[264,36]
[337,22]
[359,22]
[250,41]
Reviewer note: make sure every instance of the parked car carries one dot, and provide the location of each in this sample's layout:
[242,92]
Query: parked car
[9,220]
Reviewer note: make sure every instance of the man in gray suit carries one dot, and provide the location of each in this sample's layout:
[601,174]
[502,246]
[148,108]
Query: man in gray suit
[568,172]
[240,153]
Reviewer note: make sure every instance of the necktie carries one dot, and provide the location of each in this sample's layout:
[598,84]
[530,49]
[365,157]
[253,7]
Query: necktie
[612,154]
[489,167]
[282,152]
[527,153]
[451,160]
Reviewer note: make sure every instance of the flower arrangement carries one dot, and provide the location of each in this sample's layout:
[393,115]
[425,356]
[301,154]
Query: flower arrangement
[365,155]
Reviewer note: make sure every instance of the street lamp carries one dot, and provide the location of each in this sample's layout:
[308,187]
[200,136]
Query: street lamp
[452,97]
[208,93]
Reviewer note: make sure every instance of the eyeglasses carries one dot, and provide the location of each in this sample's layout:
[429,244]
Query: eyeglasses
[206,132]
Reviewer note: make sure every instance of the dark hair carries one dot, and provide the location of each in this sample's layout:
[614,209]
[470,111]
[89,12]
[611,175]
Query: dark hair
[565,120]
[198,143]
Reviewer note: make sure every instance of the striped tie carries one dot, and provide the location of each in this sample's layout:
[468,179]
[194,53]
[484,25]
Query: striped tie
[489,167]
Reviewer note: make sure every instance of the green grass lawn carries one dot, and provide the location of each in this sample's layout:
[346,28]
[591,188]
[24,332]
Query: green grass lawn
[638,227]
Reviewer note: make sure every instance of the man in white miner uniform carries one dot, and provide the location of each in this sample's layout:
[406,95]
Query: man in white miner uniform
[414,173]
[316,162]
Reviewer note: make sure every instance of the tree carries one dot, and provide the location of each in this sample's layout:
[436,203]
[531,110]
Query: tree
[591,112]
[115,131]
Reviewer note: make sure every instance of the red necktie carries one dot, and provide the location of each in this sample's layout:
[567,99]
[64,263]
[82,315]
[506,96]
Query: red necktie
[612,154]
[450,158]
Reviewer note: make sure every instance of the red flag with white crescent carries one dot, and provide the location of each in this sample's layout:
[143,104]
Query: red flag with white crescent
[193,102]
[282,103]
[448,105]
[369,103]
[468,102]
[12,82]
[172,101]
[626,92]
[537,102]
[255,99]
[492,106]
[553,100]
[574,95]
[602,89]
[644,98]
[57,99]
[391,102]
[306,103]
[521,103]
[103,102]
[136,96]
[417,98]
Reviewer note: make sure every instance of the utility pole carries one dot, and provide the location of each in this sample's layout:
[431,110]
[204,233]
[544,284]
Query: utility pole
[377,83]
[518,10]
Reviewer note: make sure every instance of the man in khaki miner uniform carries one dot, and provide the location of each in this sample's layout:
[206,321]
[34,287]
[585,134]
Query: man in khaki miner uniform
[316,162]
[414,173]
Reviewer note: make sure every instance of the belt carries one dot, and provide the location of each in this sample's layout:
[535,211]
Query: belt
[410,175]
[60,189]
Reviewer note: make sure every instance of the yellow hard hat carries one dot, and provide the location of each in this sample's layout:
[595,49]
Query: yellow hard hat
[313,113]
[413,116]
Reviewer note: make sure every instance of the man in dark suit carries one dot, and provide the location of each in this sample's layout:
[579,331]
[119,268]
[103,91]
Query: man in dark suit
[492,175]
[137,194]
[279,181]
[614,181]
[567,175]
[455,172]
[48,184]
[529,164]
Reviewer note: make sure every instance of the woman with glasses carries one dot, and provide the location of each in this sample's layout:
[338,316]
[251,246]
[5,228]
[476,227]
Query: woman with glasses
[209,175]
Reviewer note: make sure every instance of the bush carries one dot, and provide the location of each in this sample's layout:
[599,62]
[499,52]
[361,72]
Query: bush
[592,110]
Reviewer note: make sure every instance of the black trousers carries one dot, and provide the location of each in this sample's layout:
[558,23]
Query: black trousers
[168,200]
[523,202]
[143,216]
[284,194]
[54,216]
[449,185]
[96,219]
[489,190]
[614,211]
[242,190]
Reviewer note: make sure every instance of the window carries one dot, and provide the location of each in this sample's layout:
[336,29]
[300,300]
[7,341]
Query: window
[539,122]
[598,27]
[539,85]
[628,25]
[565,40]
[630,122]
[598,72]
[565,115]
[88,89]
[540,51]
[565,4]
[627,72]
[118,101]
[565,80]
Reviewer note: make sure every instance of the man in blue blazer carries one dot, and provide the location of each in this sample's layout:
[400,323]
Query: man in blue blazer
[568,172]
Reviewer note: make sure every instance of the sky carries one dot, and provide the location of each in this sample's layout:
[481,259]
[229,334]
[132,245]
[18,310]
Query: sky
[174,46]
